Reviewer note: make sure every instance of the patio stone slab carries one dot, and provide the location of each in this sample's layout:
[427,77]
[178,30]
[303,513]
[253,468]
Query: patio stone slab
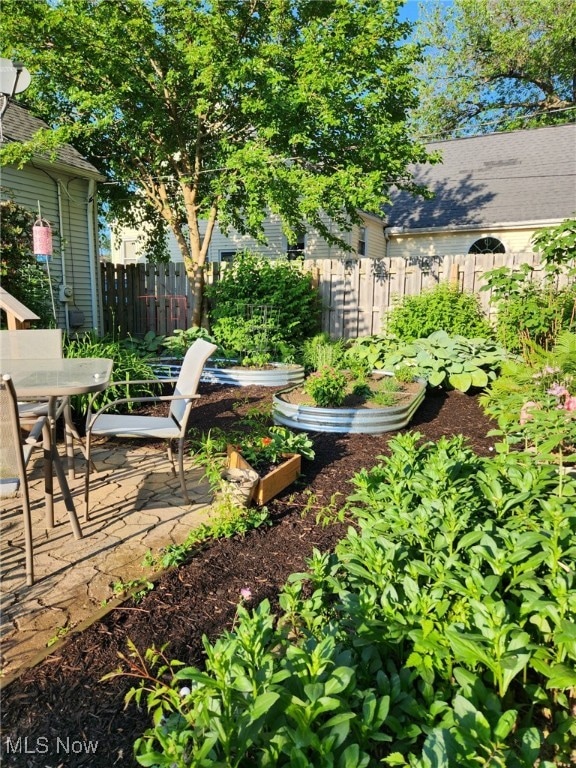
[135,505]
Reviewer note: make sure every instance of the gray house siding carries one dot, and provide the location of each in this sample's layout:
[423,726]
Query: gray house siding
[64,187]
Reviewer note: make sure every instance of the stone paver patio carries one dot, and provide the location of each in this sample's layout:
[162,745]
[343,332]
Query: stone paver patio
[136,505]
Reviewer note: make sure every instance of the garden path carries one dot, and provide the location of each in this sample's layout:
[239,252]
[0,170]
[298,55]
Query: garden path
[136,505]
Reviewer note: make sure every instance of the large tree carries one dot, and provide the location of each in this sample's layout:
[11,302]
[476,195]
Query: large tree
[224,110]
[495,65]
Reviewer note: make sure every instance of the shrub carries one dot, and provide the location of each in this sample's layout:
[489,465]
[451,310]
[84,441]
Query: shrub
[535,402]
[20,275]
[253,281]
[535,311]
[442,309]
[327,387]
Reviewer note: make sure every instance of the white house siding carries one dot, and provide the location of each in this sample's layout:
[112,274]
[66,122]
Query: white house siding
[435,244]
[31,187]
[126,248]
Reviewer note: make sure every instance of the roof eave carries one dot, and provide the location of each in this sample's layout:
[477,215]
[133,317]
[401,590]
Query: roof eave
[410,231]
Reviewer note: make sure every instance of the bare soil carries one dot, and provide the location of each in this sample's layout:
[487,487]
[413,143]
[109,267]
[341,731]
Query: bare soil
[57,708]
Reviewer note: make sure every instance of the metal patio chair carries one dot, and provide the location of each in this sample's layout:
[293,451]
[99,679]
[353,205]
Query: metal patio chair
[14,457]
[41,344]
[170,428]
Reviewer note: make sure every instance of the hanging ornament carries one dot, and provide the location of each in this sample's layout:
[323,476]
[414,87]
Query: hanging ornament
[42,238]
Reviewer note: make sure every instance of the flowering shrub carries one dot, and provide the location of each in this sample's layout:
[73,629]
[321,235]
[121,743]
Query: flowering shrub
[327,387]
[535,402]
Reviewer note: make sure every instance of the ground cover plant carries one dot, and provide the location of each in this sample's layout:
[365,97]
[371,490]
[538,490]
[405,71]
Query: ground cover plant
[439,633]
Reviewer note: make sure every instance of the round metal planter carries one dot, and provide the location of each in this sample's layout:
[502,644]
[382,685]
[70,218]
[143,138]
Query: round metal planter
[277,375]
[369,421]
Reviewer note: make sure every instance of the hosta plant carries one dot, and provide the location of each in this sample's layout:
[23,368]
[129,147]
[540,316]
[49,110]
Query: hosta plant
[451,362]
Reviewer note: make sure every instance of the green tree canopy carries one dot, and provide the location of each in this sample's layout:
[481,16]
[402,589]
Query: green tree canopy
[493,65]
[224,110]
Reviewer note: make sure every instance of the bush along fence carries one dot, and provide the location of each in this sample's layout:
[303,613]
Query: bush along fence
[355,293]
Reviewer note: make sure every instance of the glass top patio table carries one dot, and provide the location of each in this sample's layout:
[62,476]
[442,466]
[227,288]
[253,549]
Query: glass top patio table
[58,377]
[54,378]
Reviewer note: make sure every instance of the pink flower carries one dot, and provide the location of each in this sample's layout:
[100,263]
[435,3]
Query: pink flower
[570,403]
[557,390]
[246,593]
[526,412]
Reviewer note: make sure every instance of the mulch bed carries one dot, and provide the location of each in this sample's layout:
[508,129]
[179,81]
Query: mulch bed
[57,708]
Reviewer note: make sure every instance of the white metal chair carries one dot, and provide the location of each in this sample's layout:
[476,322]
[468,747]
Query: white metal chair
[14,457]
[171,427]
[41,344]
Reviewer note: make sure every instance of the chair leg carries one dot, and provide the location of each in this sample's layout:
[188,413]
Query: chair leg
[27,534]
[181,470]
[71,434]
[87,479]
[48,475]
[171,457]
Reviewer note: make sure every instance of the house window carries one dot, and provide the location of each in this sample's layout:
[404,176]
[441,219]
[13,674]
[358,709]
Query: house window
[296,249]
[361,241]
[227,256]
[487,245]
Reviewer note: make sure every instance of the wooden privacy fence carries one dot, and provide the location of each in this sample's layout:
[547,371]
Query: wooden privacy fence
[356,293]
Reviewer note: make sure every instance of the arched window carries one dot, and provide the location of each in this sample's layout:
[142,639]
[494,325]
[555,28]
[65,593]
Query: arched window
[487,245]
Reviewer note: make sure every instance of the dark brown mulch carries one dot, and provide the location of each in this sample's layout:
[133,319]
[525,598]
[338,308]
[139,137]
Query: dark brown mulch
[60,706]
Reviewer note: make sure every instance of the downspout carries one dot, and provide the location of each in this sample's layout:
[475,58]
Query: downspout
[62,251]
[90,211]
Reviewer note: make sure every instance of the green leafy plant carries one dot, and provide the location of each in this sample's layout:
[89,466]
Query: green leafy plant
[440,632]
[443,308]
[534,401]
[263,450]
[534,311]
[252,281]
[327,387]
[148,346]
[450,361]
[320,351]
[177,344]
[20,274]
[128,366]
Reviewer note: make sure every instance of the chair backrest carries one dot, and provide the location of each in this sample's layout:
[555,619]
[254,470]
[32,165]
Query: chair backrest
[36,344]
[189,377]
[12,464]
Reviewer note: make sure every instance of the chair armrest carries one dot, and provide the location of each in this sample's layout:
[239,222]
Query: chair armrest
[35,433]
[129,382]
[91,417]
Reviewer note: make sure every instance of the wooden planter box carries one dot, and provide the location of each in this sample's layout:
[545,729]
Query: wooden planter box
[275,481]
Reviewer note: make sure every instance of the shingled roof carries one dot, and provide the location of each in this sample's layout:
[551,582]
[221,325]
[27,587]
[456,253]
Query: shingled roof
[19,125]
[499,178]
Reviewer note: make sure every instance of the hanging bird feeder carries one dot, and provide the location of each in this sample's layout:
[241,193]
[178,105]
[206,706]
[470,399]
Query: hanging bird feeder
[42,239]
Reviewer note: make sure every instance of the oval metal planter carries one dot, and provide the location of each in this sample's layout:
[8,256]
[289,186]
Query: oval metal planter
[279,375]
[368,421]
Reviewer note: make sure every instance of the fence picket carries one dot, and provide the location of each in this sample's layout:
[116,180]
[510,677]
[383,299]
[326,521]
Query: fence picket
[355,294]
